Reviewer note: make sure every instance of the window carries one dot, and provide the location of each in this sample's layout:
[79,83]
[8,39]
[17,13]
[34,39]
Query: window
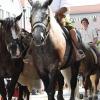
[14,15]
[7,14]
[1,13]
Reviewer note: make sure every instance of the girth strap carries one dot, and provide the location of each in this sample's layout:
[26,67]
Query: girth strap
[95,56]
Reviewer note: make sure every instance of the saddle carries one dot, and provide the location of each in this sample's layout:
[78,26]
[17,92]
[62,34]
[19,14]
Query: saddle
[96,54]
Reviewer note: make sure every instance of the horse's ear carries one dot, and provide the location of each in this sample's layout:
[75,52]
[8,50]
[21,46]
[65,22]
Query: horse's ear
[31,2]
[48,3]
[18,17]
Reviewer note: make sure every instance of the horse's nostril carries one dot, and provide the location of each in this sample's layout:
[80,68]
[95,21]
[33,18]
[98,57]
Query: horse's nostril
[33,37]
[42,39]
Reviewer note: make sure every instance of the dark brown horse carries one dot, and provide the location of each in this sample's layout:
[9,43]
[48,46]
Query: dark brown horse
[26,80]
[90,70]
[51,51]
[11,59]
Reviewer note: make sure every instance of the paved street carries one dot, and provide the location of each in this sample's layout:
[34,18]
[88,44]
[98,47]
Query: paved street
[44,96]
[66,96]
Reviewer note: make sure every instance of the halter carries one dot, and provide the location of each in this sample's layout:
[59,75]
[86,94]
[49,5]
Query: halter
[46,27]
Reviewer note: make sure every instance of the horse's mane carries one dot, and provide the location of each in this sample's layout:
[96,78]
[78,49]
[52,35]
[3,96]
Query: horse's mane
[10,22]
[5,28]
[1,36]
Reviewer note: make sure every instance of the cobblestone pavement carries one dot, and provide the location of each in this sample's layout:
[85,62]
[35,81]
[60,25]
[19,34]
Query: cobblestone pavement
[44,96]
[66,96]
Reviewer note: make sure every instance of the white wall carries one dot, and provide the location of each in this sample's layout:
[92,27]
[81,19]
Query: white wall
[14,8]
[27,16]
[10,8]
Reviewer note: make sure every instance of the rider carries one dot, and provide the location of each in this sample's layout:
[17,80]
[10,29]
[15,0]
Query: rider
[64,21]
[89,36]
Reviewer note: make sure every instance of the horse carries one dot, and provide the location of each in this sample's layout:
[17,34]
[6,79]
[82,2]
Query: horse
[51,51]
[90,69]
[28,76]
[26,81]
[11,64]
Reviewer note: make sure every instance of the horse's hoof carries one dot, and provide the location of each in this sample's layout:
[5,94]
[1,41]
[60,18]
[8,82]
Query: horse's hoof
[95,98]
[72,98]
[90,98]
[85,98]
[81,96]
[51,98]
[60,97]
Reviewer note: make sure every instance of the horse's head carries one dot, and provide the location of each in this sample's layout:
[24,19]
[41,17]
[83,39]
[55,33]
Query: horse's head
[39,20]
[11,33]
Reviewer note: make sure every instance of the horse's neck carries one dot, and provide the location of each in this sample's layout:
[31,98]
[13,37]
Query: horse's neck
[56,36]
[3,49]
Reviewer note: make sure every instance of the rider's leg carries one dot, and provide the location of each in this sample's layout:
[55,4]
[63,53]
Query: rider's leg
[79,53]
[74,37]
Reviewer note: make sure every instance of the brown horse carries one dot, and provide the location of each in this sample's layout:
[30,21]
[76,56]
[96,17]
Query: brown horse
[11,63]
[51,51]
[29,76]
[90,70]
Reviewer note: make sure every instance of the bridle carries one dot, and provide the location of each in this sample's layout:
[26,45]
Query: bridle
[46,27]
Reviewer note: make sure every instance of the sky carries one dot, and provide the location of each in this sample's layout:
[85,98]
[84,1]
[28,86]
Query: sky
[83,2]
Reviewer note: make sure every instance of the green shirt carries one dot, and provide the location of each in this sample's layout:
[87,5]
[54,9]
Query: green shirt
[69,24]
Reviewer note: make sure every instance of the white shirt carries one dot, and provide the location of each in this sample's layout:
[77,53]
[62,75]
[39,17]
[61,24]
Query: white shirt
[88,35]
[56,4]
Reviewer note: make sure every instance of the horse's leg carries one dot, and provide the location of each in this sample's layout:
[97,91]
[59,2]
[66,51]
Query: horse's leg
[87,85]
[73,81]
[60,80]
[11,87]
[2,89]
[19,64]
[45,79]
[23,90]
[52,83]
[94,82]
[49,81]
[27,93]
[20,97]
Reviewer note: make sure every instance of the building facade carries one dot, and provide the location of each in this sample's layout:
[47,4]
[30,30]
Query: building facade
[9,8]
[12,8]
[91,12]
